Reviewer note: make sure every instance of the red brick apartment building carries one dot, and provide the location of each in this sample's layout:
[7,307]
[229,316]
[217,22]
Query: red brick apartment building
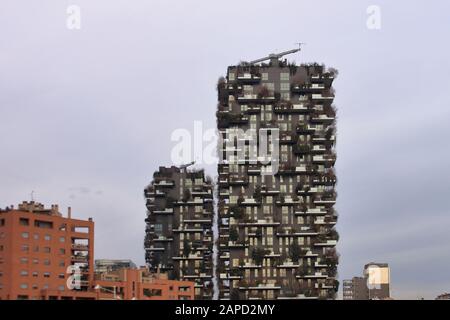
[140,284]
[38,245]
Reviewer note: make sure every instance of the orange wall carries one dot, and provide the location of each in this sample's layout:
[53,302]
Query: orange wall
[12,252]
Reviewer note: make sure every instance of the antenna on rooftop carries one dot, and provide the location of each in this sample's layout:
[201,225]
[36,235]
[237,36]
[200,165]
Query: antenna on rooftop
[32,195]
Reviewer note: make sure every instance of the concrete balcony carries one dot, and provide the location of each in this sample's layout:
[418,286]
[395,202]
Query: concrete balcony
[316,275]
[155,249]
[80,247]
[323,118]
[294,108]
[328,243]
[164,183]
[79,258]
[321,97]
[248,78]
[166,211]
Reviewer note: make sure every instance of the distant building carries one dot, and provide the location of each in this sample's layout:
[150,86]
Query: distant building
[37,245]
[375,285]
[110,265]
[377,276]
[444,296]
[355,289]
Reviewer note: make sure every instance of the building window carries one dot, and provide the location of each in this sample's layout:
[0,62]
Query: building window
[284,76]
[24,286]
[265,76]
[61,288]
[46,262]
[61,276]
[62,251]
[62,264]
[2,222]
[35,261]
[46,274]
[24,221]
[35,286]
[285,96]
[25,235]
[47,249]
[35,274]
[62,239]
[24,273]
[23,260]
[47,237]
[43,224]
[158,229]
[25,248]
[285,86]
[36,236]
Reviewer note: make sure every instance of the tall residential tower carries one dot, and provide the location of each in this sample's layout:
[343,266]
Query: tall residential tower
[179,238]
[277,221]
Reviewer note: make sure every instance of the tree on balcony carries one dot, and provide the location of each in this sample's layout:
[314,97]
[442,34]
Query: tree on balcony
[257,195]
[296,252]
[330,132]
[170,202]
[330,111]
[258,255]
[332,72]
[264,92]
[331,257]
[235,294]
[333,234]
[187,195]
[186,248]
[234,235]
[238,212]
[221,83]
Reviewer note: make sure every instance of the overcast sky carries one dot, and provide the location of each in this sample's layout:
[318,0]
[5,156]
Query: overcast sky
[86,115]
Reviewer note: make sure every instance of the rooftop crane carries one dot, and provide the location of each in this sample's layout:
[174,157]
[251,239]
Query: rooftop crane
[276,56]
[184,167]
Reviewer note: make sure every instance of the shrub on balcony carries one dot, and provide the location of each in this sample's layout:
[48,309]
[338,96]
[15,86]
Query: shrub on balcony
[333,72]
[333,234]
[331,257]
[170,202]
[264,92]
[186,195]
[234,235]
[221,83]
[330,132]
[238,212]
[330,111]
[296,252]
[258,255]
[235,294]
[257,195]
[186,248]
